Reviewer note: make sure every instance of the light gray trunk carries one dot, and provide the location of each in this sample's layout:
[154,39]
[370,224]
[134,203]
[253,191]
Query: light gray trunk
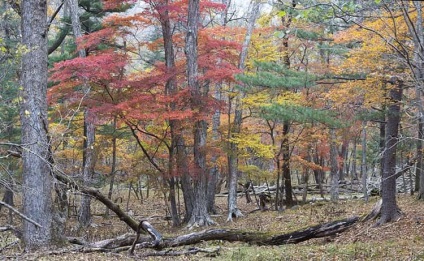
[233,210]
[37,177]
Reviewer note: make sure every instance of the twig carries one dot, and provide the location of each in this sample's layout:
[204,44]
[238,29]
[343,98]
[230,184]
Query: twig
[20,214]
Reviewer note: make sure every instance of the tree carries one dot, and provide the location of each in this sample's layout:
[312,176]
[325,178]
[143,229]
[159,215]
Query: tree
[89,128]
[36,156]
[199,216]
[233,211]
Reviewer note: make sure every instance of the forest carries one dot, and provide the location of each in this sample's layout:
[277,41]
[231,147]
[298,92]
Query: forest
[211,129]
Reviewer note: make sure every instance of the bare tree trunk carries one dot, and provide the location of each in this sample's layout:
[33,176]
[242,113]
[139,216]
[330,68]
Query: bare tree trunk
[37,178]
[84,216]
[389,208]
[334,166]
[233,210]
[354,174]
[199,215]
[364,161]
[113,167]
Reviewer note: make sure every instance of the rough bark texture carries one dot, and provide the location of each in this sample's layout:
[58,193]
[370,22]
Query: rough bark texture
[233,210]
[84,216]
[171,89]
[199,215]
[37,179]
[389,208]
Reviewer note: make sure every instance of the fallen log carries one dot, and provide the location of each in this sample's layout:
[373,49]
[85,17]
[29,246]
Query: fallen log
[230,235]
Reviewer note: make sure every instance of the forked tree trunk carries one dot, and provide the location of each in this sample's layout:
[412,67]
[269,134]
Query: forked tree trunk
[389,208]
[36,172]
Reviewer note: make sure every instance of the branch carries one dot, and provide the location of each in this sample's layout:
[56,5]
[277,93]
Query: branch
[20,214]
[100,197]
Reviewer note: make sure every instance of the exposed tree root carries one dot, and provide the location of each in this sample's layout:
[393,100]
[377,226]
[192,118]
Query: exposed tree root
[376,213]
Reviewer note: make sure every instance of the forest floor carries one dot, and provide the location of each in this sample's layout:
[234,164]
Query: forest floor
[401,240]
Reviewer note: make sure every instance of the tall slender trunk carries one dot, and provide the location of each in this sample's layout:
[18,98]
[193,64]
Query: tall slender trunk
[171,89]
[285,146]
[214,172]
[389,208]
[36,172]
[334,166]
[233,210]
[364,161]
[113,167]
[84,216]
[354,174]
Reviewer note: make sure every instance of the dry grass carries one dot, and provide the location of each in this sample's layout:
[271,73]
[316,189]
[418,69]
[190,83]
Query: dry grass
[402,240]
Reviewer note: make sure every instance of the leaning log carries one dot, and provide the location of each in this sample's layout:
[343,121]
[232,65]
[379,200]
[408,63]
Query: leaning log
[131,222]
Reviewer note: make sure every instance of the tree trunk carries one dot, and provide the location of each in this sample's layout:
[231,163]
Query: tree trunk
[84,216]
[364,175]
[354,174]
[113,167]
[389,208]
[199,215]
[334,167]
[233,210]
[37,178]
[286,165]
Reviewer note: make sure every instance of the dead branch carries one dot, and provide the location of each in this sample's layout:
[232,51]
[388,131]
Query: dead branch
[20,214]
[190,251]
[147,227]
[132,223]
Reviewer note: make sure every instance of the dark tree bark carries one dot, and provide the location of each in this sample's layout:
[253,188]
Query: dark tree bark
[37,178]
[199,215]
[171,89]
[389,208]
[113,167]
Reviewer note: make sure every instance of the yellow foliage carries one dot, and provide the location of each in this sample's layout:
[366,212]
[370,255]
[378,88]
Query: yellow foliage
[249,143]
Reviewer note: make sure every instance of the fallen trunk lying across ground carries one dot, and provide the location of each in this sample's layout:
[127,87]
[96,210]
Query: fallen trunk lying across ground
[126,242]
[123,243]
